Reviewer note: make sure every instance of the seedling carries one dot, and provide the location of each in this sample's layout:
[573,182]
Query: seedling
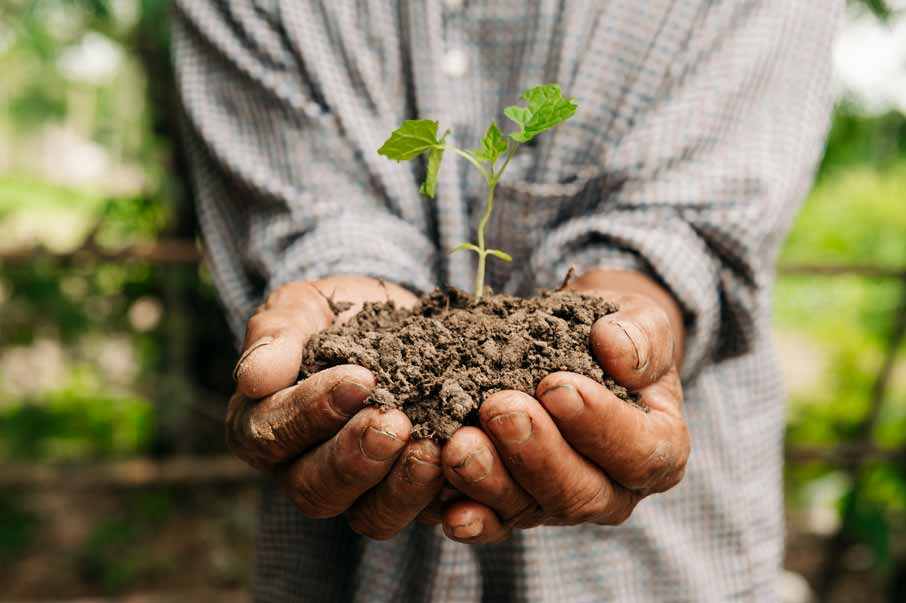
[546,109]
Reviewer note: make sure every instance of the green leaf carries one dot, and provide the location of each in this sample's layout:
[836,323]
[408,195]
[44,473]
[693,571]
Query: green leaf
[547,108]
[429,186]
[518,114]
[500,254]
[493,145]
[468,246]
[413,138]
[541,96]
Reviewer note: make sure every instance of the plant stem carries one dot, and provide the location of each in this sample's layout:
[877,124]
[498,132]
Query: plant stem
[492,179]
[470,159]
[507,162]
[482,252]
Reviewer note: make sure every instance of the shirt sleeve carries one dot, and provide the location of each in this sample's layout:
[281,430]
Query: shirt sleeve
[714,171]
[281,191]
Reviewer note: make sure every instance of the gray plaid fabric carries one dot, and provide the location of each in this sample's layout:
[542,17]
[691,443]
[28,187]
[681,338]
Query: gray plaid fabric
[699,128]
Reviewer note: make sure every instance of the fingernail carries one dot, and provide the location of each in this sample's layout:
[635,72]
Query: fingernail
[512,427]
[421,471]
[637,339]
[476,466]
[240,364]
[469,530]
[379,444]
[563,401]
[348,397]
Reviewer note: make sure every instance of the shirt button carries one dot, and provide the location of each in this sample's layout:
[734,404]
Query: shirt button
[455,63]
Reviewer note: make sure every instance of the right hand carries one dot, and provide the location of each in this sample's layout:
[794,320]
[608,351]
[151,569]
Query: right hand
[330,454]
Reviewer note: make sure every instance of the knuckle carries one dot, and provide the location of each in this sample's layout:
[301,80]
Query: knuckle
[675,471]
[671,479]
[663,464]
[657,461]
[284,294]
[582,505]
[258,321]
[246,453]
[236,413]
[284,415]
[258,435]
[348,463]
[309,502]
[371,525]
[621,512]
[259,454]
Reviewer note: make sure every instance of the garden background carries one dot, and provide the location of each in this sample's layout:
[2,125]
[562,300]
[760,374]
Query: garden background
[115,361]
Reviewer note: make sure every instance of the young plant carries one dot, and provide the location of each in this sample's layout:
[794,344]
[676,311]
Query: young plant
[546,109]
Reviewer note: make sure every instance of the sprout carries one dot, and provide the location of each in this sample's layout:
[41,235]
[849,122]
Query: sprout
[546,109]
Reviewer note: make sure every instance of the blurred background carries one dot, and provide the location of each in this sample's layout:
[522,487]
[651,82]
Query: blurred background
[115,361]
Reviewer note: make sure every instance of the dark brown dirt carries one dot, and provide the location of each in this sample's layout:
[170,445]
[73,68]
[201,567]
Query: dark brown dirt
[438,361]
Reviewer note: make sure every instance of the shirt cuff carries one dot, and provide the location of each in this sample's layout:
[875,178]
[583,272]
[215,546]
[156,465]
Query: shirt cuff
[665,248]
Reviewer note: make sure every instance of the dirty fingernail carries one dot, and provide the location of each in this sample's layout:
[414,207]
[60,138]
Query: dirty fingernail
[512,427]
[240,364]
[476,466]
[379,444]
[348,397]
[421,471]
[637,339]
[468,530]
[563,401]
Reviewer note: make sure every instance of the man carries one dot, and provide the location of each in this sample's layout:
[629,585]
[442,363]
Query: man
[699,127]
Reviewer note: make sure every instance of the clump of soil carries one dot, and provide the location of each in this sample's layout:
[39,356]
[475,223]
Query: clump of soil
[438,361]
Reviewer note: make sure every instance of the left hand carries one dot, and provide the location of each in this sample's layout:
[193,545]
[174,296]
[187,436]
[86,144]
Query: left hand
[576,453]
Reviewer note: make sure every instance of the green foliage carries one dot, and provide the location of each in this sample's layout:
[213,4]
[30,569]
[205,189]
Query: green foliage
[414,137]
[467,247]
[500,254]
[113,557]
[493,145]
[37,104]
[880,8]
[547,108]
[18,527]
[75,424]
[429,186]
[858,141]
[853,216]
[20,193]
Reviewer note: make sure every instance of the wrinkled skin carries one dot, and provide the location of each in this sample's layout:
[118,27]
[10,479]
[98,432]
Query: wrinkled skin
[572,454]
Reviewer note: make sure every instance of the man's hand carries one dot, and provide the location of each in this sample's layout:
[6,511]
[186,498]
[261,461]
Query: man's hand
[577,453]
[330,454]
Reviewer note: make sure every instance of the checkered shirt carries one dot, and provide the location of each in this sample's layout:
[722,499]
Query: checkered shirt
[699,127]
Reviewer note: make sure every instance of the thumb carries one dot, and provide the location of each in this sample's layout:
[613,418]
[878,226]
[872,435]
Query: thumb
[635,345]
[276,336]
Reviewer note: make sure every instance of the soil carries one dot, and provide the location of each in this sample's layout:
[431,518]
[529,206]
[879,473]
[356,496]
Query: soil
[438,361]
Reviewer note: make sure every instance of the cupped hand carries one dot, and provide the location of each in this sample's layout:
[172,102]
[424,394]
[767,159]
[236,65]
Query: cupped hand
[330,454]
[575,453]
